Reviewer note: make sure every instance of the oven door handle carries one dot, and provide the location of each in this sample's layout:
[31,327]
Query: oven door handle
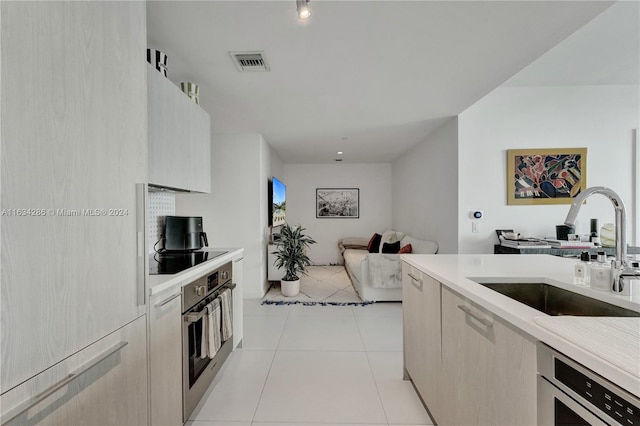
[194,317]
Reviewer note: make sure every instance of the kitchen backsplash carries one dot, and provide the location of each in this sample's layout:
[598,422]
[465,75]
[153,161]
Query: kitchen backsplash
[161,204]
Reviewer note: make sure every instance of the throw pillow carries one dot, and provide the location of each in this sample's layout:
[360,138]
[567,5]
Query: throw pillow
[374,243]
[405,249]
[391,247]
[391,236]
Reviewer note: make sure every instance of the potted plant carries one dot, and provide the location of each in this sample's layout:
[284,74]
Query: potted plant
[291,256]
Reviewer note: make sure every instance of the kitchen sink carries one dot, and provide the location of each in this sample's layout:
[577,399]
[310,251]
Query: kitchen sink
[556,301]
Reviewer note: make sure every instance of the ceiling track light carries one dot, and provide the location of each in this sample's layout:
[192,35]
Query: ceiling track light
[303,9]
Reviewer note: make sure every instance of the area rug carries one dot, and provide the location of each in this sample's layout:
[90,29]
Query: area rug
[323,285]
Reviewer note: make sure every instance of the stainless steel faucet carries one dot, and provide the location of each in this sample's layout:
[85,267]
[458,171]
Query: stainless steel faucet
[621,268]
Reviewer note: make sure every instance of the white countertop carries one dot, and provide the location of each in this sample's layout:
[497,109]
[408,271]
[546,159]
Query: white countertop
[566,334]
[160,283]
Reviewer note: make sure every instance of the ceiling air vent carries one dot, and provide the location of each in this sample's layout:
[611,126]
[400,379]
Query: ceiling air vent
[249,61]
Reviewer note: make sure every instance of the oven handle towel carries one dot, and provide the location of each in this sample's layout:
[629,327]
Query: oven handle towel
[227,322]
[213,318]
[204,338]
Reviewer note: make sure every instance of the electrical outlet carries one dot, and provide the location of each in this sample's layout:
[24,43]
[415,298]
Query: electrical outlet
[475,226]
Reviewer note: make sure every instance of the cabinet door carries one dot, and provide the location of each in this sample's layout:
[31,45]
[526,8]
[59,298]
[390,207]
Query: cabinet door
[489,368]
[238,279]
[413,322]
[165,357]
[422,334]
[73,147]
[179,137]
[433,339]
[112,390]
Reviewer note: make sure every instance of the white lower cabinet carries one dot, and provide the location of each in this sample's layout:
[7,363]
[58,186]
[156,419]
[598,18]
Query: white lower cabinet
[433,348]
[421,336]
[103,384]
[489,368]
[165,358]
[414,323]
[238,279]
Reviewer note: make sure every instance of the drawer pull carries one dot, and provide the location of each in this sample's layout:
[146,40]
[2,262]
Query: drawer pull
[481,320]
[415,280]
[12,414]
[167,300]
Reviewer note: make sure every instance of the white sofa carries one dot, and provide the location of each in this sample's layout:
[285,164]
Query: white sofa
[378,276]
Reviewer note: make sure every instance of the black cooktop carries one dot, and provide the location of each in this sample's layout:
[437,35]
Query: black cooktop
[174,262]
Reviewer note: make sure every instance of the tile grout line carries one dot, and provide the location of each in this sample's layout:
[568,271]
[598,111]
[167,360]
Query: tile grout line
[366,354]
[264,384]
[275,352]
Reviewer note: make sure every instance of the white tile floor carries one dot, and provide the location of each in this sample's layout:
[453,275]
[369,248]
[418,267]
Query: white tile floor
[314,365]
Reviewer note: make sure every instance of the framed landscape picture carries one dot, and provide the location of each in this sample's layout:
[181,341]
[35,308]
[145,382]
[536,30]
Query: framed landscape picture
[545,176]
[338,203]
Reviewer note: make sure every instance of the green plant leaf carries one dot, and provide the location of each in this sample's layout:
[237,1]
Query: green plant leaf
[290,253]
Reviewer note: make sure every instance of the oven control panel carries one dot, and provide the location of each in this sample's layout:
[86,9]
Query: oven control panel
[616,407]
[196,291]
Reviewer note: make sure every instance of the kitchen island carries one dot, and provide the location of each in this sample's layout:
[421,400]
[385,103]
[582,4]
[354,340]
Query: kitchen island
[504,333]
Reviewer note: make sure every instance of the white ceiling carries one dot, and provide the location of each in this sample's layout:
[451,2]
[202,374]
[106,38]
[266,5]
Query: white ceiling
[371,79]
[606,51]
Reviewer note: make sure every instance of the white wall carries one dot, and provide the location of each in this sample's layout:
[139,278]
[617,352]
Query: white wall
[600,118]
[374,181]
[235,213]
[425,189]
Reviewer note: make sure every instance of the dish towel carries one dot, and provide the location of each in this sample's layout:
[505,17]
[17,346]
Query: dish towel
[204,337]
[214,328]
[227,321]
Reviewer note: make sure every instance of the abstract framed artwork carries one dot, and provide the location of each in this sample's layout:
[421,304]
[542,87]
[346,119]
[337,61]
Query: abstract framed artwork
[337,203]
[545,176]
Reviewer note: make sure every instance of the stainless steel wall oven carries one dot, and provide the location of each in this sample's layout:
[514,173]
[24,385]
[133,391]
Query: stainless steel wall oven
[570,394]
[198,371]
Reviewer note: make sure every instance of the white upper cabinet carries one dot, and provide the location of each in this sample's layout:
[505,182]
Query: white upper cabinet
[179,137]
[73,112]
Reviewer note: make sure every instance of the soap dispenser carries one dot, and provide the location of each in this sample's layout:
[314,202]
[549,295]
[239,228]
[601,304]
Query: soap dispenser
[582,269]
[600,273]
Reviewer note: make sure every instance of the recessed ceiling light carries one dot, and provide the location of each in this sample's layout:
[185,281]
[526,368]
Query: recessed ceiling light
[339,152]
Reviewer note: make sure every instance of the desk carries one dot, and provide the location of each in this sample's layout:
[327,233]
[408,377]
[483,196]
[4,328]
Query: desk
[562,252]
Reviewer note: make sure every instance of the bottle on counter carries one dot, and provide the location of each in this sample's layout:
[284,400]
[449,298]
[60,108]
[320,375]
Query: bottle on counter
[593,236]
[600,273]
[582,269]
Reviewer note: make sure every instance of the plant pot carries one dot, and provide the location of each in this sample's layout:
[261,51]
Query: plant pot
[290,288]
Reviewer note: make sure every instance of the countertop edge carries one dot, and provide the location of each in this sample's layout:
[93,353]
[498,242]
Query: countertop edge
[162,283]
